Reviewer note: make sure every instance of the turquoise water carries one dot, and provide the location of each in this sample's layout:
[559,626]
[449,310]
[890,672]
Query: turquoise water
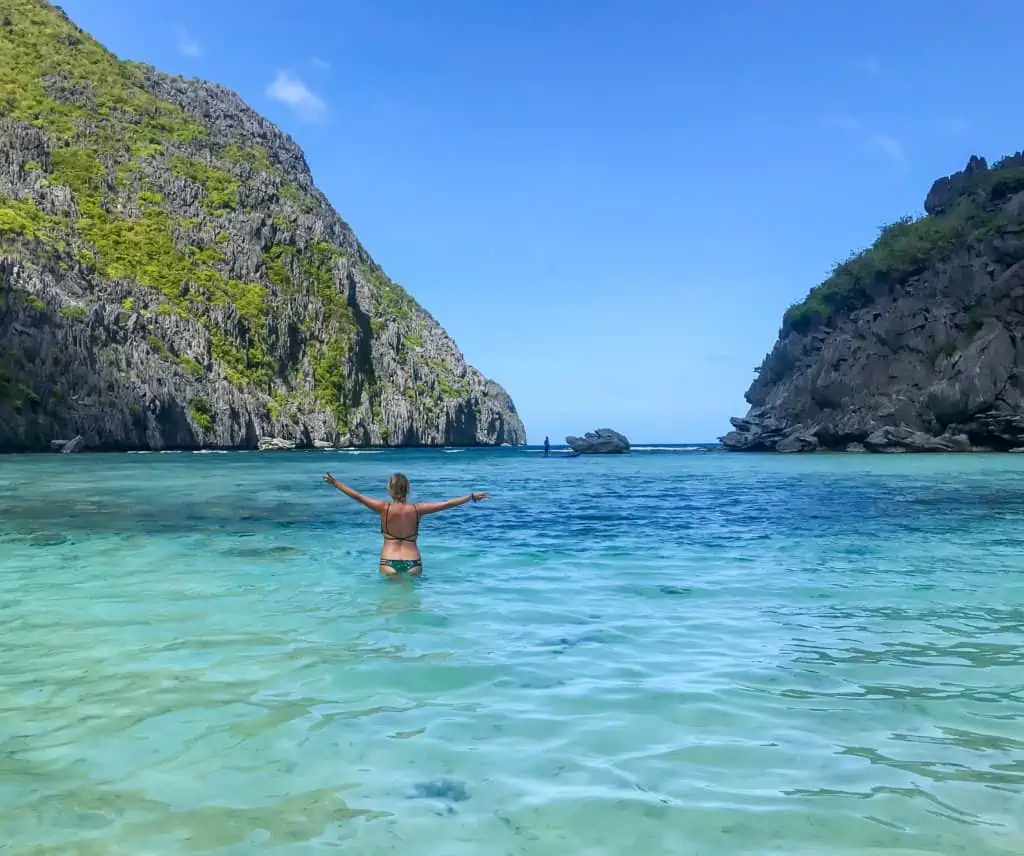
[658,654]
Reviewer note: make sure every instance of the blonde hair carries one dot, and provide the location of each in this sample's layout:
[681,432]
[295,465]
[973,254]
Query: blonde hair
[398,487]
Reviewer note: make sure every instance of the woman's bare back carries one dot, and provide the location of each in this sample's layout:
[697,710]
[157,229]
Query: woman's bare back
[400,521]
[399,524]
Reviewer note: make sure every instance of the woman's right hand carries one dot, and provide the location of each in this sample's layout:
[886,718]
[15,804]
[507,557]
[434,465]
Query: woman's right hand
[331,480]
[480,496]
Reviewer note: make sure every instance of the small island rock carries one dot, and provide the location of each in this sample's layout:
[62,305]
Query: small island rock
[604,441]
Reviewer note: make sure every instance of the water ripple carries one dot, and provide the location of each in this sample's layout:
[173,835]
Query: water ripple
[661,653]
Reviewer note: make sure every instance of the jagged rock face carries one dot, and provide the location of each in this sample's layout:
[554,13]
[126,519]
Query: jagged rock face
[972,181]
[170,276]
[916,344]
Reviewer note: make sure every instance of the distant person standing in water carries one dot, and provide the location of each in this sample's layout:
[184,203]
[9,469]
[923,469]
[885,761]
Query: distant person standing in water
[400,522]
[547,447]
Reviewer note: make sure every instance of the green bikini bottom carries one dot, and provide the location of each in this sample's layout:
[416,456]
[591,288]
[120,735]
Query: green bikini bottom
[402,566]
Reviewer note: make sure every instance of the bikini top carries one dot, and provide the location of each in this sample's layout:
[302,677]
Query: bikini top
[389,537]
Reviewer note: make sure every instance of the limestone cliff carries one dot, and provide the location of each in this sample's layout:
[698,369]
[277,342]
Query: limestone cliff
[914,344]
[170,276]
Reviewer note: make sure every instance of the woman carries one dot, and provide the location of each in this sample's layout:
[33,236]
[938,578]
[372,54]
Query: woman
[400,522]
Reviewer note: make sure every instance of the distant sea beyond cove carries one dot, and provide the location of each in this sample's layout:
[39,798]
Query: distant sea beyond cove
[671,653]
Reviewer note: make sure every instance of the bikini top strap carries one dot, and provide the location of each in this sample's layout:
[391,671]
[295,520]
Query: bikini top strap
[388,534]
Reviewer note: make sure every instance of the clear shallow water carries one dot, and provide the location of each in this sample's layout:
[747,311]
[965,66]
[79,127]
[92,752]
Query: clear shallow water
[665,653]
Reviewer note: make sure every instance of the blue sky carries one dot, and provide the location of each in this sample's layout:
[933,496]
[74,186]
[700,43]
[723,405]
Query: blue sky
[608,204]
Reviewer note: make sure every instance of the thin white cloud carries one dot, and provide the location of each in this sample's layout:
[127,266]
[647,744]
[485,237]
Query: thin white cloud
[186,44]
[320,64]
[288,89]
[868,65]
[887,145]
[873,140]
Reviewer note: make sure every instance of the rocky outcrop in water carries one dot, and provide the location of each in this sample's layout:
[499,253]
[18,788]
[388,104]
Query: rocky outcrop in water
[171,277]
[604,441]
[916,344]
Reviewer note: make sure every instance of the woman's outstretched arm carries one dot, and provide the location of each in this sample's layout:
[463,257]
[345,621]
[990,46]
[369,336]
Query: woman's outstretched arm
[371,503]
[434,507]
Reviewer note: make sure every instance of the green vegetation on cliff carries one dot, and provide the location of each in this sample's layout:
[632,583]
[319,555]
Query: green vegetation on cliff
[908,247]
[56,77]
[24,219]
[202,413]
[62,81]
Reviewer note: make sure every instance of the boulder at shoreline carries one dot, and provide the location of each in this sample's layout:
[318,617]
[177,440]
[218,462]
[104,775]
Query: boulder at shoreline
[274,444]
[72,446]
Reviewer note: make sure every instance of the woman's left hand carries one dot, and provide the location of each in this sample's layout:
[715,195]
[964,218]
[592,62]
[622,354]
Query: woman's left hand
[331,480]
